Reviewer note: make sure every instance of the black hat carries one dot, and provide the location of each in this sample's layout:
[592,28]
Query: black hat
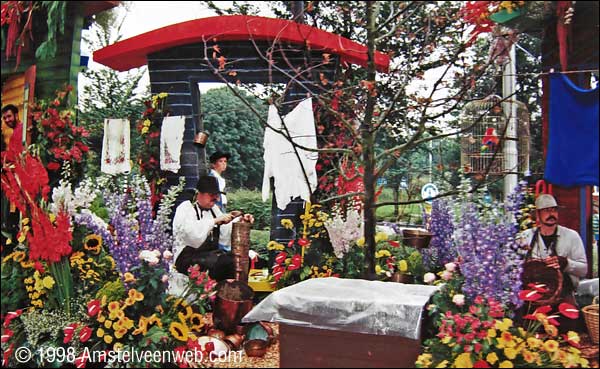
[218,155]
[208,184]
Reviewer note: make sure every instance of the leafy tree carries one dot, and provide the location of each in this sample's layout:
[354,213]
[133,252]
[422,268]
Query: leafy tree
[425,41]
[235,129]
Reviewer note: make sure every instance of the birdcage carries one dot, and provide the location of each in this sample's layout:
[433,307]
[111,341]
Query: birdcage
[485,132]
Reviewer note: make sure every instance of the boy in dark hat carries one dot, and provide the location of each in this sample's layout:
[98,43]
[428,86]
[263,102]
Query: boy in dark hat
[218,164]
[199,227]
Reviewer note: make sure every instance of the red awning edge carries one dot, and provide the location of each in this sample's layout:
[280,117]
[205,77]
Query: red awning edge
[132,52]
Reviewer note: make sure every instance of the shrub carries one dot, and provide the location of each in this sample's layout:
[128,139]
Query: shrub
[251,202]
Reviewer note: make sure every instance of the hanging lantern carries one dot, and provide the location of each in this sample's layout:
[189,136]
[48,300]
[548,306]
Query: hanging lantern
[484,127]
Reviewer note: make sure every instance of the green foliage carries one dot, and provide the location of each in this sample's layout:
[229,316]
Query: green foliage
[56,18]
[234,128]
[114,290]
[13,289]
[258,242]
[251,202]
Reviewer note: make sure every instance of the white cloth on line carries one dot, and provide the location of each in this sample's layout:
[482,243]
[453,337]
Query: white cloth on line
[115,147]
[171,140]
[281,161]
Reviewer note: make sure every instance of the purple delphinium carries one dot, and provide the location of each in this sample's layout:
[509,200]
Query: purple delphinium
[491,258]
[441,250]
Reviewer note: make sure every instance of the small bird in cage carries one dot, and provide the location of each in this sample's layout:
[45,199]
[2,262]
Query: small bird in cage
[489,140]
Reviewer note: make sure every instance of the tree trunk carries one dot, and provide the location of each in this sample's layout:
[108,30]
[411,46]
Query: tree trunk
[368,142]
[396,190]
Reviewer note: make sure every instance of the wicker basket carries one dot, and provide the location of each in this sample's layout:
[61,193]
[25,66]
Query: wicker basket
[537,272]
[590,313]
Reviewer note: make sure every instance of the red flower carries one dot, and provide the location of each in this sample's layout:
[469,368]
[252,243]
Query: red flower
[296,262]
[68,331]
[7,335]
[81,360]
[527,295]
[568,310]
[280,258]
[93,307]
[53,166]
[541,288]
[543,309]
[303,242]
[278,272]
[481,364]
[85,334]
[394,243]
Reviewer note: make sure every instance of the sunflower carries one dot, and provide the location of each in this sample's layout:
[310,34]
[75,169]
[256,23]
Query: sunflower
[93,243]
[196,321]
[179,331]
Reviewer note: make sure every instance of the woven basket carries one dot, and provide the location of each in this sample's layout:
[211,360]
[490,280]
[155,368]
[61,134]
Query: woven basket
[537,272]
[590,313]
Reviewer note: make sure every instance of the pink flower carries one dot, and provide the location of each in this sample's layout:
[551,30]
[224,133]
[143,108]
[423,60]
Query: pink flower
[458,300]
[447,275]
[450,267]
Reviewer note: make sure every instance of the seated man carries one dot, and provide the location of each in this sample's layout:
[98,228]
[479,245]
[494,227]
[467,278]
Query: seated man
[199,227]
[559,247]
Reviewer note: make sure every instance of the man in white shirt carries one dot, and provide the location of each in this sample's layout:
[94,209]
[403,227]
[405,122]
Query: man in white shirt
[559,247]
[218,163]
[199,227]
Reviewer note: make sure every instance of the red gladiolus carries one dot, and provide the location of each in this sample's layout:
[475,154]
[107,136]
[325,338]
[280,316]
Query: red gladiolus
[53,166]
[7,335]
[568,310]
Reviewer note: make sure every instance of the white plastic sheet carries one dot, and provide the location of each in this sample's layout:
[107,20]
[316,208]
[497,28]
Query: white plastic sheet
[352,305]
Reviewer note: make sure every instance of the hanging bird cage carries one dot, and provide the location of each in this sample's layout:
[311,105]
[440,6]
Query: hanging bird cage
[485,133]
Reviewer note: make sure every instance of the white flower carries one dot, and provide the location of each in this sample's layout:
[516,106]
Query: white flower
[167,255]
[165,278]
[151,257]
[459,300]
[429,278]
[450,267]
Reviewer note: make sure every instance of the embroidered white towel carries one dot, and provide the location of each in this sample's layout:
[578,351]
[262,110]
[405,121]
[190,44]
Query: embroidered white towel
[115,147]
[171,140]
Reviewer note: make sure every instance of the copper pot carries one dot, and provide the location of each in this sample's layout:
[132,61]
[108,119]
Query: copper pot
[256,348]
[233,301]
[217,333]
[235,341]
[201,138]
[417,238]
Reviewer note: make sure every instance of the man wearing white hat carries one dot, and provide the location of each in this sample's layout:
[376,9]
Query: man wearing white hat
[559,247]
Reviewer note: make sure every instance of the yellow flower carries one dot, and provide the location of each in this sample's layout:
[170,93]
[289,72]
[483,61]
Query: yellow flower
[100,332]
[108,339]
[491,333]
[504,325]
[360,242]
[179,331]
[274,245]
[144,130]
[21,237]
[118,346]
[573,337]
[120,333]
[93,243]
[147,123]
[506,364]
[491,358]
[463,361]
[8,241]
[403,265]
[188,313]
[287,223]
[380,236]
[113,309]
[382,254]
[378,269]
[443,364]
[533,342]
[162,95]
[551,345]
[48,282]
[424,360]
[529,356]
[142,326]
[25,221]
[510,353]
[108,324]
[135,295]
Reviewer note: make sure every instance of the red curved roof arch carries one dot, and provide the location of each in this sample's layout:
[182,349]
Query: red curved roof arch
[132,52]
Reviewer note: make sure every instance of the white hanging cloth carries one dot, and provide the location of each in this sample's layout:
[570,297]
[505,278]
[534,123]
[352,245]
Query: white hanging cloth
[281,161]
[115,147]
[171,139]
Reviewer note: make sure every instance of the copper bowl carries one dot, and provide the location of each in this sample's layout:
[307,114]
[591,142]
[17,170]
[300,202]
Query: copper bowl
[235,341]
[256,348]
[417,238]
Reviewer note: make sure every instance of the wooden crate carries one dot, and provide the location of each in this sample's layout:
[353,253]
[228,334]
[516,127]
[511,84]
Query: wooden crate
[302,347]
